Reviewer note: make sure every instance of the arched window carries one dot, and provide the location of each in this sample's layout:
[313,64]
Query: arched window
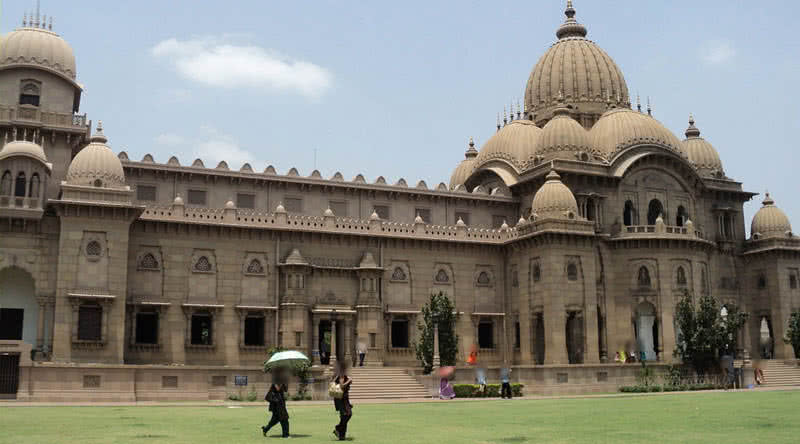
[654,210]
[93,249]
[29,95]
[680,279]
[33,190]
[5,184]
[21,185]
[148,262]
[644,277]
[537,273]
[572,272]
[681,217]
[628,214]
[202,264]
[398,274]
[483,278]
[590,210]
[442,277]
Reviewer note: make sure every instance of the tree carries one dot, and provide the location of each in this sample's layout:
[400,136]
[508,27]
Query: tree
[440,310]
[704,333]
[793,332]
[302,370]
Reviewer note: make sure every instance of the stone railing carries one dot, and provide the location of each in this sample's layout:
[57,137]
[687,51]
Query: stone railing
[660,230]
[33,114]
[23,203]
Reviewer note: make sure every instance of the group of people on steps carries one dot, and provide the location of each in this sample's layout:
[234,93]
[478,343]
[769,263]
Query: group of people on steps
[276,398]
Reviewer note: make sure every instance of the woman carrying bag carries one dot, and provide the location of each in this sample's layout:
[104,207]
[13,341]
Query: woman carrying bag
[277,405]
[340,391]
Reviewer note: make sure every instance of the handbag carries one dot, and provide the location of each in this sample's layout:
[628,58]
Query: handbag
[335,390]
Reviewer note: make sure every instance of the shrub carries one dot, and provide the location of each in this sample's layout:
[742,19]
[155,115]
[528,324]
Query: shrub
[793,333]
[252,397]
[668,388]
[234,397]
[492,390]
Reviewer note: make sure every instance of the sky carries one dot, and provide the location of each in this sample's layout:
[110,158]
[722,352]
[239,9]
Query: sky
[396,89]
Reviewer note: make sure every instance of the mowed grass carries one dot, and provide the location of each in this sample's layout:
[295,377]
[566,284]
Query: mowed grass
[734,417]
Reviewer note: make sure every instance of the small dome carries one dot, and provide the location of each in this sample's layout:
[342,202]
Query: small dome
[564,138]
[178,200]
[770,221]
[515,143]
[37,47]
[418,219]
[25,149]
[229,205]
[521,221]
[460,223]
[464,169]
[96,165]
[576,68]
[622,128]
[554,200]
[374,215]
[280,208]
[701,153]
[328,212]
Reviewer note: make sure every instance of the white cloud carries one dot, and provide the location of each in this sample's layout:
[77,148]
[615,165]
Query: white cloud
[170,139]
[223,65]
[718,52]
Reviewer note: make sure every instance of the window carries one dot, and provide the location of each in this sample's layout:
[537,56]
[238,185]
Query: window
[373,337]
[169,382]
[201,329]
[424,213]
[29,95]
[244,200]
[196,197]
[5,184]
[399,333]
[644,277]
[516,335]
[442,277]
[654,210]
[486,334]
[628,214]
[383,211]
[537,273]
[93,249]
[680,279]
[255,267]
[202,264]
[464,216]
[762,282]
[11,324]
[399,274]
[146,193]
[90,318]
[298,338]
[148,262]
[792,281]
[591,210]
[254,331]
[20,185]
[483,279]
[498,221]
[147,328]
[293,205]
[339,208]
[572,272]
[681,217]
[33,190]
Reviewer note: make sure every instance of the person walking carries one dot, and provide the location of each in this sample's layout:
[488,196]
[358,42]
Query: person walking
[362,352]
[342,404]
[276,397]
[505,379]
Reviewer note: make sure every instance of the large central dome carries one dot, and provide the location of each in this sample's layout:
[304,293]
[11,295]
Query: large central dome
[576,69]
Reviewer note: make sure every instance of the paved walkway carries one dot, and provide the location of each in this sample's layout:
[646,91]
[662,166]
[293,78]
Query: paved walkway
[14,403]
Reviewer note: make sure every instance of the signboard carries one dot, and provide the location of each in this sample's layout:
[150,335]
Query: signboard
[240,380]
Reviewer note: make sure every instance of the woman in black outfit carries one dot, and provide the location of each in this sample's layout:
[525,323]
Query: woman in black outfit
[277,405]
[343,405]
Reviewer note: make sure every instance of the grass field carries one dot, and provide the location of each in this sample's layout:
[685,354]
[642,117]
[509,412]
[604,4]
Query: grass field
[735,417]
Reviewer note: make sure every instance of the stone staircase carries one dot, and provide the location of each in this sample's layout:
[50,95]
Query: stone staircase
[385,383]
[777,373]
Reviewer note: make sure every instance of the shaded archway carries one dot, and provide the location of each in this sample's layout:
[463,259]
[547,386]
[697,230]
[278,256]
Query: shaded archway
[681,217]
[654,209]
[646,330]
[628,215]
[19,311]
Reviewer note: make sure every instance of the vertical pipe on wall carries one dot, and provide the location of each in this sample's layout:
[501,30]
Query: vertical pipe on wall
[277,287]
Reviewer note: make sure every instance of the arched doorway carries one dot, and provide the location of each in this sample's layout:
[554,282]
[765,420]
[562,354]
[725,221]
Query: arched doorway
[574,335]
[19,310]
[646,330]
[628,214]
[654,210]
[766,342]
[681,217]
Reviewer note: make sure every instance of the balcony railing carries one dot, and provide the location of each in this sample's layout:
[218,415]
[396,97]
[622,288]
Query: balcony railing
[22,203]
[32,114]
[656,230]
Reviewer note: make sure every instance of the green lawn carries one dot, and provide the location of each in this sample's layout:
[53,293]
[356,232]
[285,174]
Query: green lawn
[735,417]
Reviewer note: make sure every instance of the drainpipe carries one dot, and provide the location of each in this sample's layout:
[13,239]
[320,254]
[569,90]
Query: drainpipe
[277,288]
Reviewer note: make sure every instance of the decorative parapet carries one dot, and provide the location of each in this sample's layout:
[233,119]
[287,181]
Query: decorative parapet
[660,231]
[789,243]
[26,114]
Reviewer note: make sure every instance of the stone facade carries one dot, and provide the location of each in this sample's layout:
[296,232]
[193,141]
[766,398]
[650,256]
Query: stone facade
[199,271]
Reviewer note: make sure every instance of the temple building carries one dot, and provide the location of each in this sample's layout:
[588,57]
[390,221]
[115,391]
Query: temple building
[569,235]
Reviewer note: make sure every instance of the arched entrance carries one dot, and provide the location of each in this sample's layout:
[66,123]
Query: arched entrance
[19,310]
[766,342]
[646,330]
[654,210]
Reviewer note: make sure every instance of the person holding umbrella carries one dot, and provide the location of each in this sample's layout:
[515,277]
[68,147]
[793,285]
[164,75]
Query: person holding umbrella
[280,364]
[342,403]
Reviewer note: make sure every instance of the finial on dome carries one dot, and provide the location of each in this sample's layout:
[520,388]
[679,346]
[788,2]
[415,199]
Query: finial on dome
[692,131]
[649,107]
[50,25]
[99,137]
[571,27]
[768,200]
[505,116]
[471,151]
[638,102]
[519,110]
[552,175]
[498,121]
[24,19]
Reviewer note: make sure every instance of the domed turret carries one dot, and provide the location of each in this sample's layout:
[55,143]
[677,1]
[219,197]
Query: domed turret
[770,221]
[702,153]
[578,69]
[515,143]
[24,149]
[464,169]
[564,138]
[37,46]
[554,200]
[622,128]
[96,165]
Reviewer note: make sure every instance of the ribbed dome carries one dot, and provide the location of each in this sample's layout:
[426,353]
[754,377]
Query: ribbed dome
[38,48]
[25,149]
[701,153]
[564,138]
[96,165]
[464,169]
[554,200]
[516,142]
[770,221]
[622,128]
[577,68]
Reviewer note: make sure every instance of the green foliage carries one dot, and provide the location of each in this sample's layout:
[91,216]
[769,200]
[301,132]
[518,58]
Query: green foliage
[704,333]
[252,397]
[234,397]
[492,390]
[793,333]
[673,376]
[646,375]
[669,388]
[301,370]
[442,309]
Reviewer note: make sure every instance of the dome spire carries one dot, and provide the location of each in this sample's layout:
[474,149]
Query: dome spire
[571,27]
[98,136]
[768,200]
[471,151]
[692,131]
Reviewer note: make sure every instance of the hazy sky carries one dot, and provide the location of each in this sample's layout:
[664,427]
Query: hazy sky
[397,88]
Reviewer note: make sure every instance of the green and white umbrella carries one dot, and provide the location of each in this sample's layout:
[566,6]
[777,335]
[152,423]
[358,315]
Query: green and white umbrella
[286,359]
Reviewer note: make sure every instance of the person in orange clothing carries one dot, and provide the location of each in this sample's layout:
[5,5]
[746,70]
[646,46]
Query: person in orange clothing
[473,355]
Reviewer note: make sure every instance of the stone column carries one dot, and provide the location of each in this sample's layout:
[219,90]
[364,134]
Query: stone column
[315,353]
[333,342]
[436,359]
[40,322]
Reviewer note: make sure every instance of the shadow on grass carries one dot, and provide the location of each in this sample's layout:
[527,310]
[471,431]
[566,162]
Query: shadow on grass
[292,435]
